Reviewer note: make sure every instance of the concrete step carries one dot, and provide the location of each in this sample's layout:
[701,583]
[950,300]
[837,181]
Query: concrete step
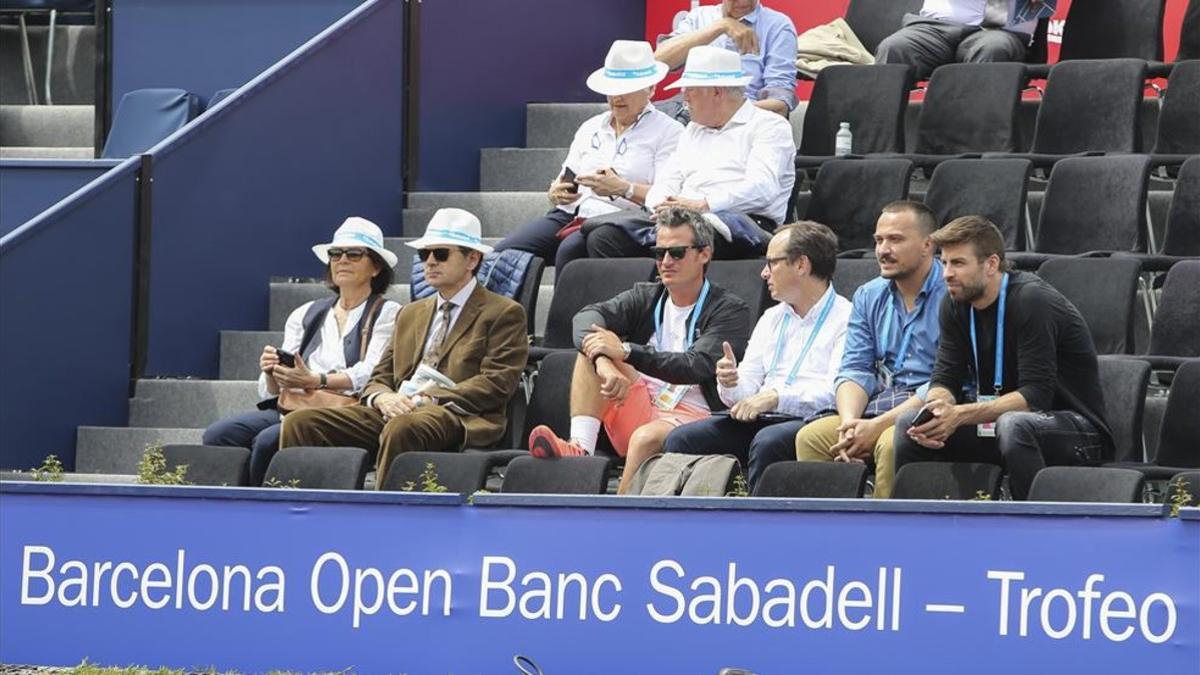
[30,152]
[499,212]
[240,350]
[516,169]
[47,126]
[553,125]
[69,477]
[117,450]
[286,297]
[189,403]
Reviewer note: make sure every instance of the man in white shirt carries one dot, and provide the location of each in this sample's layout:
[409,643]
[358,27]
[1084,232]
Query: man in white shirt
[735,163]
[964,31]
[789,369]
[648,356]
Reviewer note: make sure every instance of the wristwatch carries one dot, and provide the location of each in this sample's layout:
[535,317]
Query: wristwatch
[629,191]
[626,348]
[324,382]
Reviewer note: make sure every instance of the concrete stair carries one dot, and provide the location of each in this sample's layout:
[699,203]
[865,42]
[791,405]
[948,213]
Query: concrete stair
[499,213]
[553,125]
[519,169]
[189,403]
[47,131]
[117,450]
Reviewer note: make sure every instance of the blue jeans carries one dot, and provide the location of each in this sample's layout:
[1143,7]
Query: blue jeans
[757,445]
[258,430]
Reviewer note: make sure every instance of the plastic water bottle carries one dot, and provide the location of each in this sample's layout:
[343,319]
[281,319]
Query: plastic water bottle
[844,141]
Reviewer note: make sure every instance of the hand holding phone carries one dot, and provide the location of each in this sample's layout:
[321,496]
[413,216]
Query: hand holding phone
[924,415]
[287,359]
[568,176]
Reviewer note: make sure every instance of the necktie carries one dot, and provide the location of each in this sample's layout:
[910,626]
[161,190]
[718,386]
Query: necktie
[434,353]
[995,15]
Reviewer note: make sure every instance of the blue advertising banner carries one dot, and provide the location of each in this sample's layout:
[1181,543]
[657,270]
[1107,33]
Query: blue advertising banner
[282,580]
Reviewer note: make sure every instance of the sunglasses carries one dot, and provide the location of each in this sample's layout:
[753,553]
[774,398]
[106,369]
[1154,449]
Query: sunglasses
[354,254]
[439,254]
[676,252]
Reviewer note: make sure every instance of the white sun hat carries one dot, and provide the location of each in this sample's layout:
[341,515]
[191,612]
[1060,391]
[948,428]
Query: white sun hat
[629,66]
[356,232]
[453,227]
[712,67]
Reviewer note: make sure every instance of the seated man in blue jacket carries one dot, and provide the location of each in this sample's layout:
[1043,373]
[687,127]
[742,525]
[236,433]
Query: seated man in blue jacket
[648,356]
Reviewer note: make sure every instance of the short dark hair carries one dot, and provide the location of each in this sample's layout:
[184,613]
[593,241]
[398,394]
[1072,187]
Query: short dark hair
[814,241]
[379,283]
[677,216]
[981,233]
[467,254]
[926,219]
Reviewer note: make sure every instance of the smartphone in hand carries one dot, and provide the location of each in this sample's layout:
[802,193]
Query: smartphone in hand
[287,359]
[924,415]
[568,176]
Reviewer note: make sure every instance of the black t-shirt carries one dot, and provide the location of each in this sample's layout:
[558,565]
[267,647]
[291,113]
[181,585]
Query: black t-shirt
[1049,356]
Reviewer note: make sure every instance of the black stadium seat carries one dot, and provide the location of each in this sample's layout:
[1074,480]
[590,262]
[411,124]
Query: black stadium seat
[969,108]
[849,194]
[852,273]
[803,480]
[1178,133]
[582,283]
[1104,290]
[1110,29]
[457,472]
[743,279]
[871,98]
[993,188]
[1091,204]
[319,468]
[1181,240]
[562,475]
[1087,484]
[1175,335]
[947,480]
[1124,384]
[873,20]
[209,464]
[1177,449]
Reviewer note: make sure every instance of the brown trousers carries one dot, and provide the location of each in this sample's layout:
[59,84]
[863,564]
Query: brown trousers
[430,428]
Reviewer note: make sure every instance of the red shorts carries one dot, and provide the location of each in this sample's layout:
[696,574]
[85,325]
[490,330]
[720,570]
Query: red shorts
[624,418]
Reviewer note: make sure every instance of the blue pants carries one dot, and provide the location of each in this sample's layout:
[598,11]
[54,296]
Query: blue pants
[539,237]
[258,430]
[757,445]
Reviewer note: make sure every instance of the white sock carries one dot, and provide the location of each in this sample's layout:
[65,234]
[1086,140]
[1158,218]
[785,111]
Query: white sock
[584,432]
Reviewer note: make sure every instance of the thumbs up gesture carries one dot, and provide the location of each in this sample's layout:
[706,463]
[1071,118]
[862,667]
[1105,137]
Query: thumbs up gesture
[727,374]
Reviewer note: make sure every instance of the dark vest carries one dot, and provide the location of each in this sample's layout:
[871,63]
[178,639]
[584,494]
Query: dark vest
[352,346]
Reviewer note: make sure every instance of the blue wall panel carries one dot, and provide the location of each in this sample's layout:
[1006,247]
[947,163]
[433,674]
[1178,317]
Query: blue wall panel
[66,290]
[481,61]
[28,187]
[245,192]
[207,45]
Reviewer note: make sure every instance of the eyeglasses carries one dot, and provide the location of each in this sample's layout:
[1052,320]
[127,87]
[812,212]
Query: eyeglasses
[676,252]
[353,254]
[778,259]
[439,254]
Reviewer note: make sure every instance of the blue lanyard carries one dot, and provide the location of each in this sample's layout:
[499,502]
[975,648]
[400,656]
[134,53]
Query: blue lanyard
[905,337]
[658,310]
[998,379]
[812,337]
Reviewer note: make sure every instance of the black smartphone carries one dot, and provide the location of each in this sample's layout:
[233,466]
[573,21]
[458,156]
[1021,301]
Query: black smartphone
[568,176]
[286,358]
[924,415]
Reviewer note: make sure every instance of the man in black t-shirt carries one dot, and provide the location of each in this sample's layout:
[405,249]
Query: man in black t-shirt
[1016,380]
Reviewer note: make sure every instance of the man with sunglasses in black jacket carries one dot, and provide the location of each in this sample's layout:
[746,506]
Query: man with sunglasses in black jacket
[648,356]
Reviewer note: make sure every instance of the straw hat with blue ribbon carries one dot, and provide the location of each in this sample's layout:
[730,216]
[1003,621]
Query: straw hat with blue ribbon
[356,232]
[453,227]
[712,67]
[629,66]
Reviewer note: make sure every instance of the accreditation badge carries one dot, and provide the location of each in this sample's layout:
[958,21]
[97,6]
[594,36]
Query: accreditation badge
[987,429]
[671,395]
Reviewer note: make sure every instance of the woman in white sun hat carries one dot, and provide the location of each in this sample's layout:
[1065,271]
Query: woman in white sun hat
[614,156]
[325,337]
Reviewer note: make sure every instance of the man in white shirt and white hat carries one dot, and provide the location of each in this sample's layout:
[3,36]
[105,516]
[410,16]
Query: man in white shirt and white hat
[471,336]
[614,156]
[735,163]
[790,366]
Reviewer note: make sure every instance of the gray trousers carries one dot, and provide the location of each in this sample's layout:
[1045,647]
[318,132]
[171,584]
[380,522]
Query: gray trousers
[929,43]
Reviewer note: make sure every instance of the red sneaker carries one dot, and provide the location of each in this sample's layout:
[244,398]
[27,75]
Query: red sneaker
[544,443]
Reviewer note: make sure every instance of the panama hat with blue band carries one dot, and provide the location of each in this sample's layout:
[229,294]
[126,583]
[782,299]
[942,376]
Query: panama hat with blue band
[357,232]
[712,67]
[453,227]
[629,66]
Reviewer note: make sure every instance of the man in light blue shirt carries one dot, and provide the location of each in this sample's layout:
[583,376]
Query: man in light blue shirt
[765,38]
[891,346]
[964,31]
